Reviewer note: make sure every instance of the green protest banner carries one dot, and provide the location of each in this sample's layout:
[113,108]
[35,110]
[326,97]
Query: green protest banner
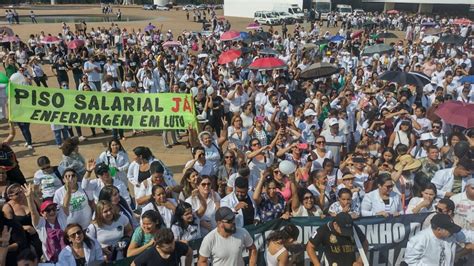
[387,237]
[98,109]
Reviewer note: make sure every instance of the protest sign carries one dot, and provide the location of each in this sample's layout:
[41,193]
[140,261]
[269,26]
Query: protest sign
[387,237]
[98,109]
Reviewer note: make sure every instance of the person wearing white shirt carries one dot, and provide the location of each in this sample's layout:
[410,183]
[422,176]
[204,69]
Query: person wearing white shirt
[437,245]
[205,202]
[92,186]
[199,163]
[382,201]
[78,206]
[159,203]
[241,203]
[238,97]
[117,158]
[143,193]
[425,203]
[77,240]
[450,181]
[464,202]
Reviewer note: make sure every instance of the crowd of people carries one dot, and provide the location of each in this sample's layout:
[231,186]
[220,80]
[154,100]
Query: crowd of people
[269,145]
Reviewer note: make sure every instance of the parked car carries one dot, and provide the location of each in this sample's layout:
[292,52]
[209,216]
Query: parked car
[202,7]
[284,17]
[162,8]
[359,12]
[266,18]
[189,7]
[148,7]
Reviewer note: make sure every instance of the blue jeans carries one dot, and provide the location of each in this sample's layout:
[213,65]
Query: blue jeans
[25,131]
[57,135]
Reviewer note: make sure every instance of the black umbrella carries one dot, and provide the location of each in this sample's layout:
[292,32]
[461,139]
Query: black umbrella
[369,24]
[387,35]
[405,78]
[452,39]
[246,49]
[268,51]
[377,49]
[319,70]
[263,35]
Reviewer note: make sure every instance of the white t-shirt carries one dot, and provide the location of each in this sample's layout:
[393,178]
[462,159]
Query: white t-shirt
[225,251]
[210,213]
[165,213]
[48,183]
[109,235]
[79,210]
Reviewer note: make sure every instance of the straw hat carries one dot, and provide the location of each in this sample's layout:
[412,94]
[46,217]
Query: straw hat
[407,162]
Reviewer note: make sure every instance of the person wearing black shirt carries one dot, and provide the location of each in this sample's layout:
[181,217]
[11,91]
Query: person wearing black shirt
[337,241]
[240,202]
[167,252]
[60,70]
[75,63]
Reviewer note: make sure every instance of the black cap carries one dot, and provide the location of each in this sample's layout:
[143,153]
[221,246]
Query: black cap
[101,169]
[224,213]
[444,221]
[283,116]
[461,148]
[345,222]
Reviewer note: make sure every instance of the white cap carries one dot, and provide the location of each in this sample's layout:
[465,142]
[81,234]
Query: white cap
[283,104]
[194,91]
[426,136]
[210,90]
[333,121]
[470,182]
[269,89]
[434,80]
[309,112]
[286,167]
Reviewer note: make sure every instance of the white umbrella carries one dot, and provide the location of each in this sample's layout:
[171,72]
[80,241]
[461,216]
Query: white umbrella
[430,39]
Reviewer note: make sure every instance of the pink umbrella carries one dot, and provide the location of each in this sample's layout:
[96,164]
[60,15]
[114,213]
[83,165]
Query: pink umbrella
[51,40]
[392,12]
[171,44]
[268,63]
[228,56]
[4,39]
[230,35]
[457,113]
[74,44]
[253,26]
[357,34]
[463,21]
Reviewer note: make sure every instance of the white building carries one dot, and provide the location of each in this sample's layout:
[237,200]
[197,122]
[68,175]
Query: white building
[247,8]
[424,6]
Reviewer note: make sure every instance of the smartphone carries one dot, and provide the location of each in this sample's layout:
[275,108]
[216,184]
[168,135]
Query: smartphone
[303,146]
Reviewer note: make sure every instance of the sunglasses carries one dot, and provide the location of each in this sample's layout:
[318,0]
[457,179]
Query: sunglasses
[229,157]
[308,198]
[205,184]
[255,144]
[48,210]
[436,127]
[76,234]
[320,142]
[276,171]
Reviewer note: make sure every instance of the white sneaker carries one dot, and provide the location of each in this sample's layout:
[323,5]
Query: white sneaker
[30,147]
[26,144]
[82,138]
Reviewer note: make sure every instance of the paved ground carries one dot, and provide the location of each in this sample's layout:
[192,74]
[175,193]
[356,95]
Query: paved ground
[43,136]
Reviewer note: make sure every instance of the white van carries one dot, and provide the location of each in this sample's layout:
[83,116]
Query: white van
[266,18]
[344,10]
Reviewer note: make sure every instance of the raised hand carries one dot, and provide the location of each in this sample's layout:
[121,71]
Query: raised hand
[90,165]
